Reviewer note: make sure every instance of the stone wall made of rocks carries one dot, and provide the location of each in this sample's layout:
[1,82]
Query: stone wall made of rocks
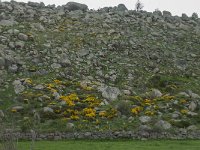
[140,135]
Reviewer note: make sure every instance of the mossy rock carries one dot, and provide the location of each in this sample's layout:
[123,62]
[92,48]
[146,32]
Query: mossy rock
[181,123]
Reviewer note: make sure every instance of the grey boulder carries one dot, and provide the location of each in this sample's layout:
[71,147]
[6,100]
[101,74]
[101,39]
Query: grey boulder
[163,124]
[18,87]
[110,93]
[72,6]
[121,7]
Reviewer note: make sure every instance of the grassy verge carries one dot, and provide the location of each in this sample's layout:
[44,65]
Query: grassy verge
[114,145]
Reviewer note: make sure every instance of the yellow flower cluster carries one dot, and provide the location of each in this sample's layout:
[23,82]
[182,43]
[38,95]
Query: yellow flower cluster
[28,80]
[77,106]
[71,114]
[184,111]
[167,97]
[57,111]
[52,103]
[74,117]
[13,110]
[73,97]
[138,98]
[90,99]
[110,113]
[70,99]
[102,114]
[89,112]
[149,113]
[57,81]
[51,87]
[147,102]
[136,110]
[183,101]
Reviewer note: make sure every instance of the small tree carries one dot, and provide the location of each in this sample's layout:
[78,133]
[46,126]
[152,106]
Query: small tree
[138,6]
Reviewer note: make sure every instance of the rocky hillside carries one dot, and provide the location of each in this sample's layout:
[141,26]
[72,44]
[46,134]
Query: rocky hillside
[70,67]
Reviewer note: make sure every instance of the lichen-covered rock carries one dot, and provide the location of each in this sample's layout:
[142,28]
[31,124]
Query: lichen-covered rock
[145,119]
[7,22]
[192,106]
[72,6]
[13,68]
[110,93]
[22,37]
[19,44]
[39,87]
[17,108]
[47,110]
[70,125]
[193,95]
[35,4]
[121,7]
[18,87]
[55,66]
[155,93]
[163,125]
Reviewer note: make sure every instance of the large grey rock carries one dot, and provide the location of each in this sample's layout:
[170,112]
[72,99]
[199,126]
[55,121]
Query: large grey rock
[166,13]
[127,92]
[185,17]
[55,66]
[47,110]
[83,52]
[110,93]
[157,13]
[13,31]
[184,26]
[145,119]
[163,124]
[13,68]
[18,108]
[35,4]
[19,44]
[38,26]
[72,6]
[121,7]
[144,127]
[192,128]
[70,125]
[7,23]
[190,113]
[192,106]
[22,37]
[183,94]
[193,95]
[175,115]
[167,16]
[195,16]
[88,134]
[18,87]
[155,93]
[64,60]
[39,87]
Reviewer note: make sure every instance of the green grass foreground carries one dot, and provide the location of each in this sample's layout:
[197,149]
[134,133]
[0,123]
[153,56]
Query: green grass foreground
[113,145]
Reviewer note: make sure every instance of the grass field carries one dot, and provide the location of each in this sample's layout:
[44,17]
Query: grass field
[114,145]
